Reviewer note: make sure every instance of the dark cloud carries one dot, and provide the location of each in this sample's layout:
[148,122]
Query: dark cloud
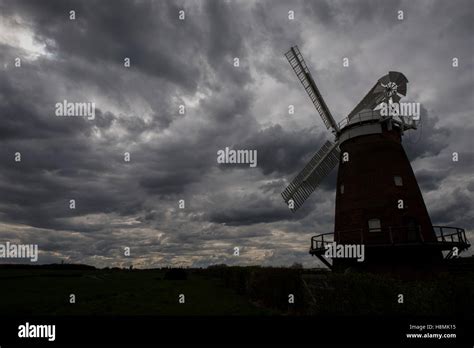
[429,180]
[103,33]
[283,151]
[455,209]
[428,140]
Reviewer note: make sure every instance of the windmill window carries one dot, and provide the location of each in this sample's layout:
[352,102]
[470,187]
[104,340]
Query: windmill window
[398,180]
[342,189]
[374,225]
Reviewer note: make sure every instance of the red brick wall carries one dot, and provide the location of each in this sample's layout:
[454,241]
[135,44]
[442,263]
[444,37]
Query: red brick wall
[370,190]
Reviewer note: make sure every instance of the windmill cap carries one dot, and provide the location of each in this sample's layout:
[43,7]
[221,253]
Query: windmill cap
[394,76]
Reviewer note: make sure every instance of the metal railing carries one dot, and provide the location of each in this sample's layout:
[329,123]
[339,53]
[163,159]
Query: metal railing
[371,115]
[393,235]
[368,115]
[451,234]
[318,242]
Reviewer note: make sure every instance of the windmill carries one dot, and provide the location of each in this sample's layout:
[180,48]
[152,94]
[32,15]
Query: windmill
[378,201]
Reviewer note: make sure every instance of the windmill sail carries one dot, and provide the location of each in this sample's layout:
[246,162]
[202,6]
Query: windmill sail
[311,176]
[301,69]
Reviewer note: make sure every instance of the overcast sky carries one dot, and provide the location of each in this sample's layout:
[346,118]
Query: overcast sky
[173,156]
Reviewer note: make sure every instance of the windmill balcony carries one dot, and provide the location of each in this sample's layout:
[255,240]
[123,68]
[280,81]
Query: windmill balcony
[371,116]
[447,238]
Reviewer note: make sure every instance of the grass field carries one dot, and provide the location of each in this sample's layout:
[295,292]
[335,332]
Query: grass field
[44,292]
[227,291]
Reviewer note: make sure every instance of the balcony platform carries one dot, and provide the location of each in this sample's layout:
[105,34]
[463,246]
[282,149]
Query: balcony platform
[447,239]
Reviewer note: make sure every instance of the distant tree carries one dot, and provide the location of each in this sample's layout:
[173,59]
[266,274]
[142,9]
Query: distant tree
[297,265]
[222,265]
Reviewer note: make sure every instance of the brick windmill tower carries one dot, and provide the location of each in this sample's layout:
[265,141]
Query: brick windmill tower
[378,201]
